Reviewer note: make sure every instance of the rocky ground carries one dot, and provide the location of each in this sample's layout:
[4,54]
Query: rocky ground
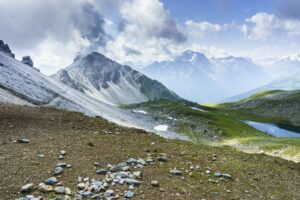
[53,154]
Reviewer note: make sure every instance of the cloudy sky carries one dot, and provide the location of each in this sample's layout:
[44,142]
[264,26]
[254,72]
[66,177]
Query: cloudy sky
[138,32]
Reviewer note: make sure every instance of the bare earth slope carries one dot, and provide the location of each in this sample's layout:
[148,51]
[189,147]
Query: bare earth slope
[88,140]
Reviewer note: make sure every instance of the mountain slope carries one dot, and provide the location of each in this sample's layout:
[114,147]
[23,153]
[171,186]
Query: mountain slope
[188,76]
[281,104]
[28,86]
[108,81]
[290,83]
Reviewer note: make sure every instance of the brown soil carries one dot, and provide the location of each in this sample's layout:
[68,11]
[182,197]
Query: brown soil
[89,140]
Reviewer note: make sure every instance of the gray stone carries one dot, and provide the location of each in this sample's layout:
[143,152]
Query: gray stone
[41,156]
[122,174]
[219,174]
[176,172]
[50,181]
[57,171]
[63,152]
[27,188]
[137,174]
[61,164]
[85,194]
[45,188]
[129,194]
[68,191]
[59,190]
[131,161]
[131,181]
[23,140]
[68,166]
[155,183]
[162,158]
[61,157]
[109,193]
[101,171]
[96,196]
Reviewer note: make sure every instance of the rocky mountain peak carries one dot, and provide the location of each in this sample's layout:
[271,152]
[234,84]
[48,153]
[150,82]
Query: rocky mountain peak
[27,61]
[5,48]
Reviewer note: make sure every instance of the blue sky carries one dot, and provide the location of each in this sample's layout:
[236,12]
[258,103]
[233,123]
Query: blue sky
[217,11]
[139,32]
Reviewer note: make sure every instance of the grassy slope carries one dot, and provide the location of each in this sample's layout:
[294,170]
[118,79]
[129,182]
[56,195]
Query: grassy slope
[222,126]
[51,130]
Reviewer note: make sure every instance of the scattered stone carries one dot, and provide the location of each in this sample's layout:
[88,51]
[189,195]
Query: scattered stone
[41,156]
[122,174]
[57,171]
[61,164]
[131,161]
[176,172]
[155,183]
[50,181]
[85,194]
[109,193]
[68,166]
[23,140]
[63,152]
[102,171]
[81,186]
[68,191]
[162,158]
[59,190]
[219,174]
[149,159]
[61,157]
[137,174]
[27,187]
[67,197]
[96,196]
[45,188]
[128,194]
[131,181]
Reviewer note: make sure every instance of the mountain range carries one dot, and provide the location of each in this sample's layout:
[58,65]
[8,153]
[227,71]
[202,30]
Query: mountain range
[198,78]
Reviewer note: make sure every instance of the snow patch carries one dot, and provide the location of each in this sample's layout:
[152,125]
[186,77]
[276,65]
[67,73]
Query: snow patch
[162,128]
[140,112]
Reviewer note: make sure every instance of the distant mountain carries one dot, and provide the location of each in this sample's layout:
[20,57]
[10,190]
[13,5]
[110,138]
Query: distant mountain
[289,83]
[280,68]
[103,79]
[195,77]
[238,74]
[188,76]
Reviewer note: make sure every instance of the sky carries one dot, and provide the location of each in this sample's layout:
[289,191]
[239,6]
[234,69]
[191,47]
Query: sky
[139,32]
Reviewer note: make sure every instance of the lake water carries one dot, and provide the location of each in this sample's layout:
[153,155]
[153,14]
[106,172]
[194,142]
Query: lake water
[273,129]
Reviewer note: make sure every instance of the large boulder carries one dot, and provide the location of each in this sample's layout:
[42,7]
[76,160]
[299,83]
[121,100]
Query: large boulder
[27,61]
[5,48]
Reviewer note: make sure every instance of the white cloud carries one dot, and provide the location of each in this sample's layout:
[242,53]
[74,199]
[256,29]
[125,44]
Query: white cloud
[263,25]
[53,31]
[148,33]
[202,27]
